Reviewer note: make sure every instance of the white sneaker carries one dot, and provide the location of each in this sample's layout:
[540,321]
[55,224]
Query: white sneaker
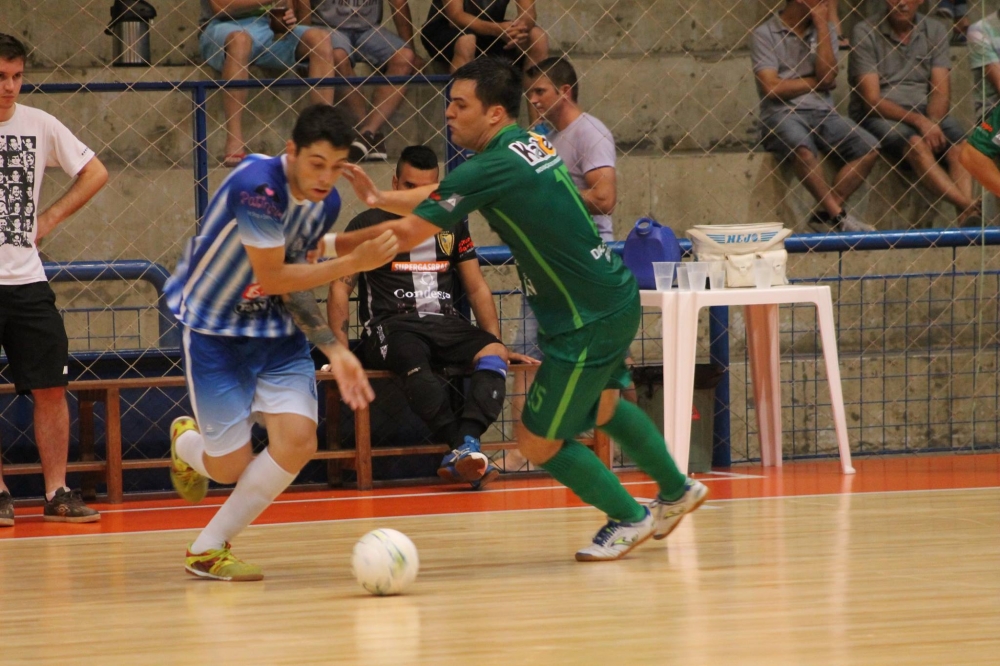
[850,223]
[668,515]
[615,540]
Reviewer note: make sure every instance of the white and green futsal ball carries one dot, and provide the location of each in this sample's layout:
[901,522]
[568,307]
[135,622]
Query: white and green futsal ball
[385,562]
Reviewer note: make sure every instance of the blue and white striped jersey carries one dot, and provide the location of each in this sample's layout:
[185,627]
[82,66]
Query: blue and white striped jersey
[213,289]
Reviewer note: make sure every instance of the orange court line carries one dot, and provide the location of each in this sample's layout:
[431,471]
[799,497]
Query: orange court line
[875,474]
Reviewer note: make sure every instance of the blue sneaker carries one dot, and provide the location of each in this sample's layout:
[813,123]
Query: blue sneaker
[466,463]
[491,475]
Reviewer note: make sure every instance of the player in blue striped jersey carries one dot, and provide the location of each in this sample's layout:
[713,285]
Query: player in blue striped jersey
[243,294]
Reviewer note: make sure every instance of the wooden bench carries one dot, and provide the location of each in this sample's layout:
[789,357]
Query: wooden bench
[363,453]
[108,392]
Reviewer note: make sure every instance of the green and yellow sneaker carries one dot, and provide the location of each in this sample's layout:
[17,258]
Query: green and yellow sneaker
[188,483]
[221,564]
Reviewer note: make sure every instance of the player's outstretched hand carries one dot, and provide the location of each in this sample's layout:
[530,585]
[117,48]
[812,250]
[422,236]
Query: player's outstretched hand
[350,376]
[364,186]
[514,357]
[376,252]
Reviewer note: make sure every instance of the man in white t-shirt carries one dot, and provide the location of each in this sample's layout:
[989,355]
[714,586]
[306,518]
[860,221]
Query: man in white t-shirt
[31,329]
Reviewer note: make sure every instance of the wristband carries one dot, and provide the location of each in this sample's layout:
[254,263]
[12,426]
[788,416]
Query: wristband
[330,249]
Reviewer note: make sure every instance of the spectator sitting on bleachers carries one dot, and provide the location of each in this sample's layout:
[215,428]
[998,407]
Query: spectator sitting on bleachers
[901,69]
[357,31]
[458,31]
[238,33]
[411,325]
[984,59]
[794,55]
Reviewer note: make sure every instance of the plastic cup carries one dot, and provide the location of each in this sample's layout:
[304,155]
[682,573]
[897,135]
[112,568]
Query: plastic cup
[717,275]
[762,272]
[663,272]
[682,277]
[698,275]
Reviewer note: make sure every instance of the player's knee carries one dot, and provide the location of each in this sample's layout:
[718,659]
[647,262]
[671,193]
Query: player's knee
[304,446]
[487,390]
[427,396]
[536,449]
[607,406]
[495,349]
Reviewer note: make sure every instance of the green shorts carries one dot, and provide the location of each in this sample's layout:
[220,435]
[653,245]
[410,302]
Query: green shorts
[576,367]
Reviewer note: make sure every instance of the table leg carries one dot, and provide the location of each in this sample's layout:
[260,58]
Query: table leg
[765,372]
[680,338]
[828,334]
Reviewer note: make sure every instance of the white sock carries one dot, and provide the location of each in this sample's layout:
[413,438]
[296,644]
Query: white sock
[190,448]
[260,483]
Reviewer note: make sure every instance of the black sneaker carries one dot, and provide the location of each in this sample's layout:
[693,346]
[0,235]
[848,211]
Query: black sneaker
[6,509]
[358,150]
[821,222]
[67,507]
[376,147]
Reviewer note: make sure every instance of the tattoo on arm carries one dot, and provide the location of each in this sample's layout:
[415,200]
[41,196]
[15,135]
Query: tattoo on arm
[350,280]
[345,327]
[304,309]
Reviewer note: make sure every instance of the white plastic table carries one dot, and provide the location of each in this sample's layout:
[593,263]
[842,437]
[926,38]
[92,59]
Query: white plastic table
[760,306]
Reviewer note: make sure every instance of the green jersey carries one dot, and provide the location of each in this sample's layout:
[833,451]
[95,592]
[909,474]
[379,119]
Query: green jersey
[524,191]
[984,138]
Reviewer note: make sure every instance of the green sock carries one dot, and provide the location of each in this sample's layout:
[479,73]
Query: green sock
[642,442]
[577,468]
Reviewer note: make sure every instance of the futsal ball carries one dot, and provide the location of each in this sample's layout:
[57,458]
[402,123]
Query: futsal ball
[385,562]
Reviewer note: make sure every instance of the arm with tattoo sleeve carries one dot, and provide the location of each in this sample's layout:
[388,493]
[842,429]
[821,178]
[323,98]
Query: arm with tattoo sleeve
[304,309]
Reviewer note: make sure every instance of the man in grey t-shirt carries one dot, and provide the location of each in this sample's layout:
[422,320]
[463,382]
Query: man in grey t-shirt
[582,141]
[901,69]
[794,56]
[587,148]
[358,33]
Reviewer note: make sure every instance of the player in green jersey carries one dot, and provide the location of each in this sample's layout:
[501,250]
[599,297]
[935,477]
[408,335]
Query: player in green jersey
[981,151]
[586,301]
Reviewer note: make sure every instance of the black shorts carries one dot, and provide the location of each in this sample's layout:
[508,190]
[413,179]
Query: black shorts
[438,36]
[398,343]
[33,336]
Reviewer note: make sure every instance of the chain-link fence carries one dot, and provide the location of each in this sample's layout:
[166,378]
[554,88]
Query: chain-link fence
[673,80]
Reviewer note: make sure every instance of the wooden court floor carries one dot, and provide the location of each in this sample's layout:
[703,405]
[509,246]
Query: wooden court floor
[899,564]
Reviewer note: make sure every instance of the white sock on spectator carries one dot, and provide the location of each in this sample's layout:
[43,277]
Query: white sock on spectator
[260,483]
[190,447]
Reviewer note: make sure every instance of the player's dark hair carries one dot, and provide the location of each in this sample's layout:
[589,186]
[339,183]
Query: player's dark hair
[497,81]
[11,48]
[322,122]
[559,71]
[418,157]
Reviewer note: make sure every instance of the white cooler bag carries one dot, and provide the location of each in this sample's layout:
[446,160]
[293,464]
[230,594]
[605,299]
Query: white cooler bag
[738,245]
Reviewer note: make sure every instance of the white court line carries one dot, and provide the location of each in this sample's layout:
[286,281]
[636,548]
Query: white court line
[467,513]
[315,500]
